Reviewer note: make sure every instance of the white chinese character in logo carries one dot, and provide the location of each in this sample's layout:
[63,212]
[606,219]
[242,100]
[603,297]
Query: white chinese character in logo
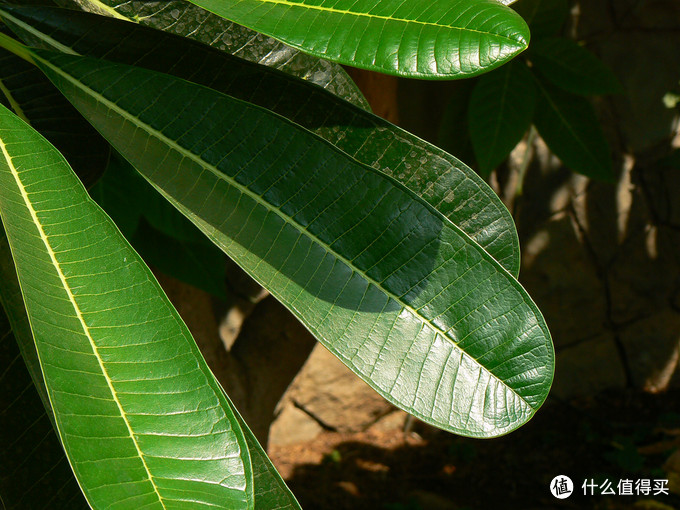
[660,487]
[590,486]
[561,487]
[625,487]
[606,488]
[643,487]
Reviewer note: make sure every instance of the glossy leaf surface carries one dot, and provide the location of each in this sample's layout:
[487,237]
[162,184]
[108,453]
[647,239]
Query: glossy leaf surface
[442,180]
[55,486]
[419,38]
[500,112]
[572,67]
[570,127]
[397,292]
[161,436]
[190,21]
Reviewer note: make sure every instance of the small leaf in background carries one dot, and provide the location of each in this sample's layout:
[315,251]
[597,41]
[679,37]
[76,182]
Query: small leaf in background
[454,134]
[570,127]
[545,17]
[406,39]
[572,67]
[500,112]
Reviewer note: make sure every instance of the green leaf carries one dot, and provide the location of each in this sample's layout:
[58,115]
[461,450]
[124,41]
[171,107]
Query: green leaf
[442,180]
[35,473]
[389,285]
[545,17]
[572,67]
[271,491]
[500,112]
[190,21]
[445,39]
[141,417]
[454,135]
[570,127]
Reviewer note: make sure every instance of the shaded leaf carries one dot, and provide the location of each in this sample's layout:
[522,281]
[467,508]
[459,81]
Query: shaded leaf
[397,292]
[500,112]
[26,91]
[141,417]
[442,180]
[446,39]
[572,67]
[35,473]
[545,17]
[190,21]
[570,127]
[454,135]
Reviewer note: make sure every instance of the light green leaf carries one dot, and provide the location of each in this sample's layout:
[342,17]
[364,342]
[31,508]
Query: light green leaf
[439,178]
[403,297]
[572,67]
[56,487]
[570,127]
[444,39]
[159,436]
[190,21]
[500,112]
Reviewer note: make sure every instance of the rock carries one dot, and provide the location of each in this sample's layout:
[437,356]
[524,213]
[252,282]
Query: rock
[293,426]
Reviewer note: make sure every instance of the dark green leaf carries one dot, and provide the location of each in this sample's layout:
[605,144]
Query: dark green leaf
[26,91]
[444,39]
[572,67]
[395,290]
[454,135]
[190,21]
[570,127]
[443,181]
[141,417]
[500,112]
[545,17]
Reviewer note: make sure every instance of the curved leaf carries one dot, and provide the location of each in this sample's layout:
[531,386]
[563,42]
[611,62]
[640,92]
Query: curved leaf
[570,127]
[572,67]
[442,180]
[500,112]
[159,436]
[445,39]
[192,22]
[397,292]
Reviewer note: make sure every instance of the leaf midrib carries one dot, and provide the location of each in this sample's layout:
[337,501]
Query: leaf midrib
[287,3]
[79,315]
[258,199]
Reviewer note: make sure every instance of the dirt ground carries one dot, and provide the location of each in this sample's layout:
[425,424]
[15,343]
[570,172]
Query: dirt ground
[616,436]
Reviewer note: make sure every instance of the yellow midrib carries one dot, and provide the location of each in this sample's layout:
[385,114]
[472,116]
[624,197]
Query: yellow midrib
[288,3]
[86,329]
[197,159]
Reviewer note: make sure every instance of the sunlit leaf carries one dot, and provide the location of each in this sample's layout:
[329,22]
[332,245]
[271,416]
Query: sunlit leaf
[443,181]
[158,437]
[444,39]
[404,298]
